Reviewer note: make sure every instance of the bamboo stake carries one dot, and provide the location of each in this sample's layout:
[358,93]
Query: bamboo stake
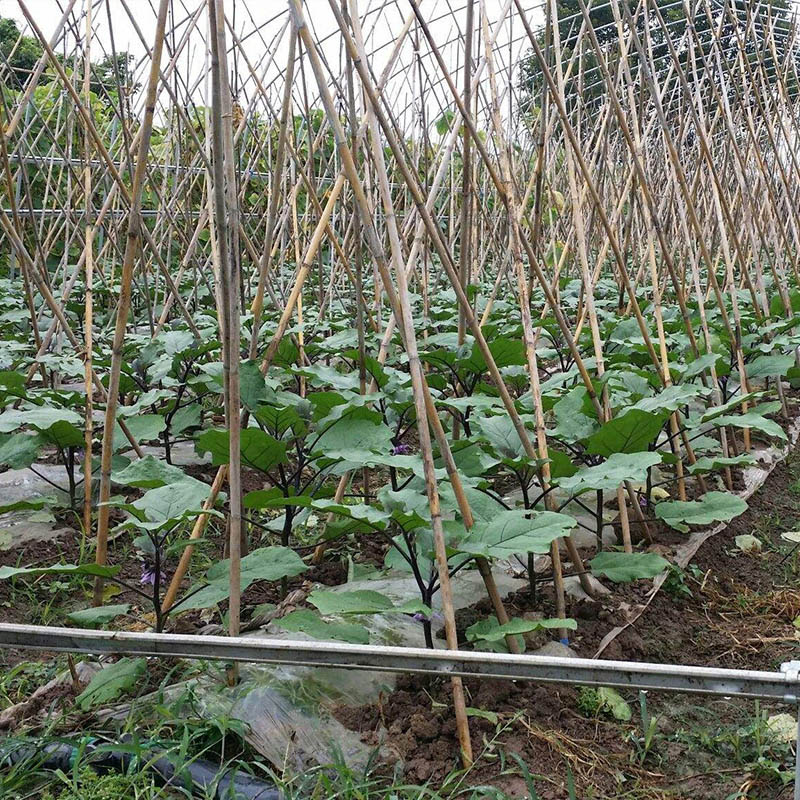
[124,303]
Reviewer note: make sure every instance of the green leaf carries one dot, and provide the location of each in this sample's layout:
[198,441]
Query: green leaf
[772,366]
[754,420]
[174,501]
[94,570]
[306,621]
[148,473]
[444,122]
[264,564]
[712,463]
[624,567]
[490,630]
[280,419]
[718,411]
[27,505]
[321,375]
[573,423]
[700,365]
[502,436]
[361,601]
[618,468]
[414,606]
[630,432]
[145,427]
[41,417]
[612,701]
[94,617]
[252,385]
[510,533]
[479,712]
[505,352]
[670,398]
[111,682]
[711,507]
[20,450]
[470,458]
[63,435]
[259,450]
[355,436]
[184,418]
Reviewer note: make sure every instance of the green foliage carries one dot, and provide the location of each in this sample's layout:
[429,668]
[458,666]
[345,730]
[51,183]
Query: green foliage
[603,700]
[111,682]
[264,564]
[624,567]
[89,785]
[711,507]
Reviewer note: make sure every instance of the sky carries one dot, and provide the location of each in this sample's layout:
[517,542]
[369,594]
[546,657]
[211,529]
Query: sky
[261,26]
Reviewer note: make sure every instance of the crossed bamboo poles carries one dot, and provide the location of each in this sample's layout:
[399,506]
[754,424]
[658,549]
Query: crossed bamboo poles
[680,185]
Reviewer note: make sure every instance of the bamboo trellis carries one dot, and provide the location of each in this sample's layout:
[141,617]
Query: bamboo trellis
[276,166]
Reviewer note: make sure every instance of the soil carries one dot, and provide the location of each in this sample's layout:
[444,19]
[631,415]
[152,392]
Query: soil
[730,610]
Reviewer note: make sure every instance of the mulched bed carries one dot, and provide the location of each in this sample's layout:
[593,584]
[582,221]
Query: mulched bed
[731,610]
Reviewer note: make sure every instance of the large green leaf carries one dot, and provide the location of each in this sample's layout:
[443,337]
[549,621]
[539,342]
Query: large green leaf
[19,450]
[252,386]
[184,418]
[505,352]
[41,417]
[711,507]
[573,416]
[264,564]
[491,631]
[148,473]
[623,567]
[111,682]
[64,434]
[615,470]
[754,420]
[711,463]
[322,376]
[501,436]
[94,617]
[630,432]
[306,621]
[174,501]
[354,437]
[670,398]
[146,427]
[700,365]
[361,601]
[259,450]
[771,366]
[510,533]
[718,411]
[470,457]
[93,570]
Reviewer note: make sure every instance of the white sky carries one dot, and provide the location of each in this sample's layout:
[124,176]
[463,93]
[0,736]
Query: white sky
[260,24]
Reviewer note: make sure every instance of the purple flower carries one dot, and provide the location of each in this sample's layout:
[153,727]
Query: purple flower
[401,450]
[643,501]
[149,574]
[420,617]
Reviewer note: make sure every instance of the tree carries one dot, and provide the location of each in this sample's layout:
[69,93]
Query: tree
[114,68]
[717,26]
[19,53]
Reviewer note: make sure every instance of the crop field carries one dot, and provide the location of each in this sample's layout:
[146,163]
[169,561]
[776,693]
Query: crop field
[460,325]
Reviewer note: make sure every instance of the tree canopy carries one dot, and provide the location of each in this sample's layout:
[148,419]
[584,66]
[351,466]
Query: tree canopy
[708,46]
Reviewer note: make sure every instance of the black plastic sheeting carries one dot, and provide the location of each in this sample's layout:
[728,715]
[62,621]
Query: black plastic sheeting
[196,776]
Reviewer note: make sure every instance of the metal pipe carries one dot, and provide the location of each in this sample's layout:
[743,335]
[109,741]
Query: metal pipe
[778,686]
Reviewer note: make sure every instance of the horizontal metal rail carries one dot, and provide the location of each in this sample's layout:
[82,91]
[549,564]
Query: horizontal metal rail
[778,686]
